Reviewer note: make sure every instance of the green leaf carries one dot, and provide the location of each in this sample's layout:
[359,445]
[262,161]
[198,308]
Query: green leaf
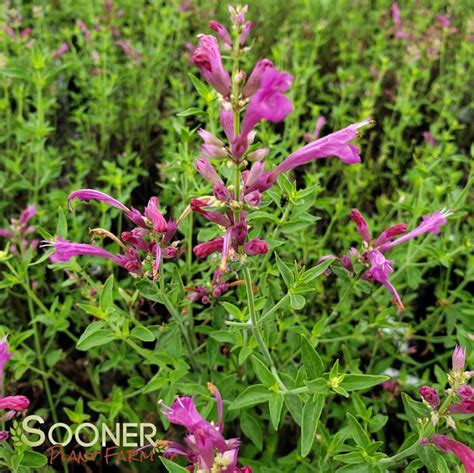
[318,386]
[252,428]
[142,333]
[354,382]
[358,433]
[33,460]
[251,396]
[244,354]
[309,422]
[315,272]
[311,360]
[275,405]
[233,310]
[94,335]
[191,111]
[61,227]
[172,467]
[107,294]
[414,410]
[201,88]
[295,406]
[284,271]
[263,373]
[297,301]
[155,383]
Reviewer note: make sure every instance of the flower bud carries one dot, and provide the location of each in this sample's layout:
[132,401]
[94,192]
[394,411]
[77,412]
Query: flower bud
[465,392]
[430,395]
[459,359]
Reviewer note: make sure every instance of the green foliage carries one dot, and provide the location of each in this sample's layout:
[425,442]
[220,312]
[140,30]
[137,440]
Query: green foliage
[93,344]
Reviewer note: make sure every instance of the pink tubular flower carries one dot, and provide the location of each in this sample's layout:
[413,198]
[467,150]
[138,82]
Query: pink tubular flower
[430,395]
[248,25]
[464,407]
[15,403]
[207,171]
[91,194]
[83,27]
[459,359]
[153,214]
[320,122]
[208,58]
[221,32]
[60,51]
[465,392]
[256,247]
[373,256]
[65,250]
[268,103]
[397,20]
[206,447]
[11,403]
[430,224]
[361,224]
[336,144]
[129,50]
[463,452]
[203,250]
[255,79]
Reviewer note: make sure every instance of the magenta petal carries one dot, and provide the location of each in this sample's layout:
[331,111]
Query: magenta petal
[361,224]
[91,194]
[16,403]
[205,249]
[463,452]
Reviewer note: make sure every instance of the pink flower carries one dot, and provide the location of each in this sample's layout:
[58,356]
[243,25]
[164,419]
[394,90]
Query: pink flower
[248,25]
[203,250]
[207,171]
[430,395]
[65,250]
[268,103]
[256,247]
[443,20]
[429,138]
[15,403]
[200,206]
[336,144]
[128,50]
[463,452]
[206,448]
[91,194]
[221,31]
[464,407]
[361,224]
[153,214]
[459,359]
[255,79]
[397,20]
[373,255]
[430,224]
[465,392]
[320,122]
[207,57]
[83,27]
[60,51]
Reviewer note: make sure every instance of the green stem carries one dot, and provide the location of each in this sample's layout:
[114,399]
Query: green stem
[256,331]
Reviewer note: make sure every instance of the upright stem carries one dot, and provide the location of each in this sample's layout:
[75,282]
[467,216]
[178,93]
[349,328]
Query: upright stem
[39,354]
[256,330]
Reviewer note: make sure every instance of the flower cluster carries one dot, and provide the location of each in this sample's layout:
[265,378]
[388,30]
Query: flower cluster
[372,256]
[10,404]
[463,395]
[258,97]
[206,448]
[144,247]
[431,41]
[20,230]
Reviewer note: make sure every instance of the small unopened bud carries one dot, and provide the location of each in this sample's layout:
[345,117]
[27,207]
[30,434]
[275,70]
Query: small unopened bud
[459,359]
[429,395]
[258,155]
